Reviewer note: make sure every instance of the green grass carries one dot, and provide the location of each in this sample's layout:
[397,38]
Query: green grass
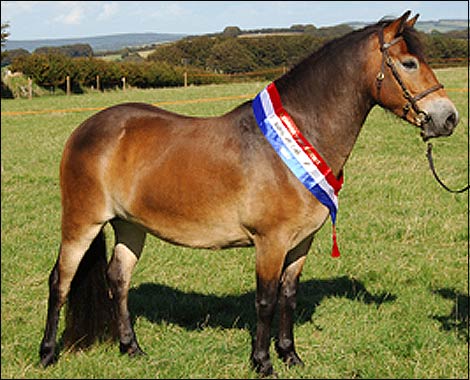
[393,306]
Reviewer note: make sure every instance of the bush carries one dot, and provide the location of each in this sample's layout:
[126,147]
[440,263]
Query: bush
[230,56]
[51,70]
[9,55]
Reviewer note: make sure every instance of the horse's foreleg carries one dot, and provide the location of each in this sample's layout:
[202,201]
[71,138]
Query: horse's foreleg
[287,302]
[129,244]
[269,260]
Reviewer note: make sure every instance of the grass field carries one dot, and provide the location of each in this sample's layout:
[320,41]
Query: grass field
[395,305]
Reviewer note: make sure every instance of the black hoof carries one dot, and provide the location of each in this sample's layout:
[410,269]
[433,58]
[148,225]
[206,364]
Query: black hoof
[132,349]
[266,371]
[47,355]
[292,359]
[263,367]
[289,356]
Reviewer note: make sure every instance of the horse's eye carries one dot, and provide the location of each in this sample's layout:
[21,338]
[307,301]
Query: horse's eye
[410,64]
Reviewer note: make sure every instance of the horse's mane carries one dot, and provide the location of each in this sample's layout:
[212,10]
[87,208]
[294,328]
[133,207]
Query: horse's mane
[346,49]
[410,35]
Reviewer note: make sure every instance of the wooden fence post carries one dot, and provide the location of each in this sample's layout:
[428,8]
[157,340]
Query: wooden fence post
[30,88]
[98,82]
[123,83]
[185,62]
[68,84]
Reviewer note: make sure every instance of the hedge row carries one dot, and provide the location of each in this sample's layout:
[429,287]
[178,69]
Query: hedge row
[51,70]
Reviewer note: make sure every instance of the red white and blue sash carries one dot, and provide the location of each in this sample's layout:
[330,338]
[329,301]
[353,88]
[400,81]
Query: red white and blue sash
[296,152]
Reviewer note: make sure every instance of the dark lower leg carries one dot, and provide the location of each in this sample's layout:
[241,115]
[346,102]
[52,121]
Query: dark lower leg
[48,344]
[119,274]
[266,299]
[285,342]
[127,338]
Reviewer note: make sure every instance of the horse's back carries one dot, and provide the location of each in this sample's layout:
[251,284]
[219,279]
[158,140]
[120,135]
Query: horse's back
[107,124]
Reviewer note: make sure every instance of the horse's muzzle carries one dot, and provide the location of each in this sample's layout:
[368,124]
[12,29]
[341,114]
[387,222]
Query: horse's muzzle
[442,119]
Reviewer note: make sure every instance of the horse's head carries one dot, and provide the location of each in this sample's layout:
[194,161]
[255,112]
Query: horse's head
[405,84]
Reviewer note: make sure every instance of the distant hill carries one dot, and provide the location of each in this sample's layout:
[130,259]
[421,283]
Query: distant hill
[442,26]
[99,44]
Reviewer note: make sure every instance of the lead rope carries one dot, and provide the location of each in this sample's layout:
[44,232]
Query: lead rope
[431,165]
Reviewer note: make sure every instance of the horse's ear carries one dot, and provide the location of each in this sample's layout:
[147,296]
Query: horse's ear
[410,23]
[395,28]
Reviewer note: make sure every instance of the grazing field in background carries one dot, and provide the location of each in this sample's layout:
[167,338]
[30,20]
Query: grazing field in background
[394,305]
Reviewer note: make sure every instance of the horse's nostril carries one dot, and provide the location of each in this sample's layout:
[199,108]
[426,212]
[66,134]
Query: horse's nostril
[451,120]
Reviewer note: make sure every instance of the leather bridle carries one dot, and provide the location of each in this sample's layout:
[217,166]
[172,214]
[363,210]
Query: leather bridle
[422,116]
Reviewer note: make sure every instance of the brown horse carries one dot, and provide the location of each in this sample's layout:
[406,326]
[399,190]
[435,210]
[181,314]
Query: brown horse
[217,183]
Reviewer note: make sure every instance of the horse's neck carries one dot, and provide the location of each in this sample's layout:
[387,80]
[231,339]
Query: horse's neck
[329,103]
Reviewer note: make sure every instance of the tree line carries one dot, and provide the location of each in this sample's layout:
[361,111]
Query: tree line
[229,52]
[234,52]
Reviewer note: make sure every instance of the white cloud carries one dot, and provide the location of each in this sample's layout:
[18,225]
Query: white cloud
[72,14]
[108,11]
[18,7]
[177,10]
[164,11]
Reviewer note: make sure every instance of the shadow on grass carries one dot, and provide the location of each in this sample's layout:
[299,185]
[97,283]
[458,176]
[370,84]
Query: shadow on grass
[192,311]
[458,319]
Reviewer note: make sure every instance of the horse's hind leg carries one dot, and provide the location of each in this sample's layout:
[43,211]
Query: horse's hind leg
[287,302]
[48,343]
[129,244]
[70,254]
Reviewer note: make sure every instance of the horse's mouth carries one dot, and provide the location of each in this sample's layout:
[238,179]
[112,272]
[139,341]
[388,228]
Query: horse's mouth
[429,131]
[440,120]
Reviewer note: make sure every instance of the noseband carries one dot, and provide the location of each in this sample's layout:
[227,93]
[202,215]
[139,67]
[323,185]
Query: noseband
[422,116]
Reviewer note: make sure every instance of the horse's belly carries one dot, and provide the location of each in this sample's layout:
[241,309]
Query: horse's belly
[199,216]
[212,237]
[214,234]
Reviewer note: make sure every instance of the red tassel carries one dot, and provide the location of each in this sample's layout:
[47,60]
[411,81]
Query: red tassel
[335,250]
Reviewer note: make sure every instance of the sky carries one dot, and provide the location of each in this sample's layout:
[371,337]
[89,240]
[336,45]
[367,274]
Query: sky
[31,20]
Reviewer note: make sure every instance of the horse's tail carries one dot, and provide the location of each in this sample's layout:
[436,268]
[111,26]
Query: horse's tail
[90,312]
